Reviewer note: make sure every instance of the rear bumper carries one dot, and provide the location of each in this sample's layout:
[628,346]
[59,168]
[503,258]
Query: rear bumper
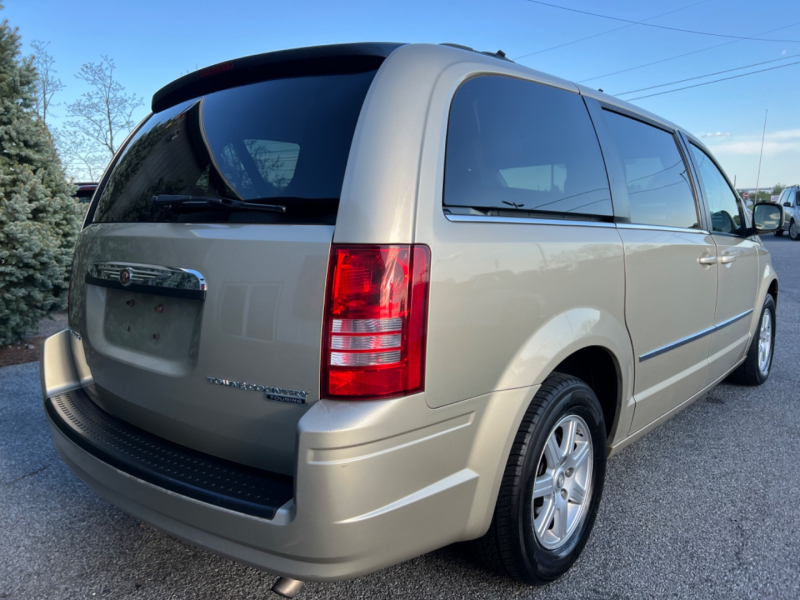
[165,464]
[376,483]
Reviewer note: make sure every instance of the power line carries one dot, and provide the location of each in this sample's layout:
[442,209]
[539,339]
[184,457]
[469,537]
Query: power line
[589,37]
[663,60]
[715,81]
[652,87]
[643,24]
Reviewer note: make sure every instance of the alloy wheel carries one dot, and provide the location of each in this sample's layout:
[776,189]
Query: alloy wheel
[765,343]
[562,488]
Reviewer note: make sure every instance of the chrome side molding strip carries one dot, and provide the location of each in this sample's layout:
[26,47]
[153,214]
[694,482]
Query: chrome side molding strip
[148,279]
[661,228]
[570,222]
[693,337]
[525,220]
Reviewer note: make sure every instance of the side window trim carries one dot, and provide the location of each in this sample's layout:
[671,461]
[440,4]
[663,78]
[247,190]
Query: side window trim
[705,211]
[695,176]
[612,160]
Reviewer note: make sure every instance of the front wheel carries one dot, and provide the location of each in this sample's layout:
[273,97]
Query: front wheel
[757,365]
[551,487]
[794,233]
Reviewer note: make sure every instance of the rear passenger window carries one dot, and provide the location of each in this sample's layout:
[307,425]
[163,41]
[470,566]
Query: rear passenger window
[518,145]
[658,183]
[722,203]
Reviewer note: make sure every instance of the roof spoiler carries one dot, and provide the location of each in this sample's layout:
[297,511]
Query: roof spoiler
[315,60]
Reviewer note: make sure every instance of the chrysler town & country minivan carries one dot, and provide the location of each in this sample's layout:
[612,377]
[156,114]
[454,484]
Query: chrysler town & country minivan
[336,307]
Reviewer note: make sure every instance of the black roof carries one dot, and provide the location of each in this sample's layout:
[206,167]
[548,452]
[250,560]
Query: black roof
[339,58]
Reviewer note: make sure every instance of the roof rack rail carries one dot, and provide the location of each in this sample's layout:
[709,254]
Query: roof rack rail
[499,54]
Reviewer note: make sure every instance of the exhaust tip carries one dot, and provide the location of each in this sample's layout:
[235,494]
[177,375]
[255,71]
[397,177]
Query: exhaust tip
[288,588]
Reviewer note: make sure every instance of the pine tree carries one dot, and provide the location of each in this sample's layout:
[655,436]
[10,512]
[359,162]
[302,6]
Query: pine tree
[39,220]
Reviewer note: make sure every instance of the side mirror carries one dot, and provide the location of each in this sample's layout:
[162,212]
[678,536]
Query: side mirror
[787,204]
[767,217]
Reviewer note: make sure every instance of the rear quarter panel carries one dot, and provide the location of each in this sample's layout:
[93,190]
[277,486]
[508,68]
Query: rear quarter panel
[511,301]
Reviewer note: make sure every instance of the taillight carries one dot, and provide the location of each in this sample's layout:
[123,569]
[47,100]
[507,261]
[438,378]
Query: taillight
[375,321]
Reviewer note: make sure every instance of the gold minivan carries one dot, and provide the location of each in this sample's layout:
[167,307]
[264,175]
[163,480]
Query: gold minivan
[336,307]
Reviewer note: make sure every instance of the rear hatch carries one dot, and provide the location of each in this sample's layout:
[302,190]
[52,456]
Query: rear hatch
[199,281]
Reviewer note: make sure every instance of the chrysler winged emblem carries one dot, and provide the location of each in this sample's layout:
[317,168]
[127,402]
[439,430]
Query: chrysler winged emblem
[125,276]
[171,281]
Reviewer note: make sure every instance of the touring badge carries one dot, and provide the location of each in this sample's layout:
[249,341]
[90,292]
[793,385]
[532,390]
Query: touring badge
[270,393]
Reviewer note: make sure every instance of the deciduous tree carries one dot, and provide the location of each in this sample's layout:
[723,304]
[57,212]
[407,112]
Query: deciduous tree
[104,113]
[47,84]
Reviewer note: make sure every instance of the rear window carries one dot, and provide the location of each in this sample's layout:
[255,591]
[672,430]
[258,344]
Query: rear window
[281,141]
[522,146]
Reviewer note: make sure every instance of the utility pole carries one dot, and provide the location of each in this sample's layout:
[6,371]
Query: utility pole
[763,133]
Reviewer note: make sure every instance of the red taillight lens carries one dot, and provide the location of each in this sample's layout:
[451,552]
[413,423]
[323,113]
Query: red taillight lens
[375,321]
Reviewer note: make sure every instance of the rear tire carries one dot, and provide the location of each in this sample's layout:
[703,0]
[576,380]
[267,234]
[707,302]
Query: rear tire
[527,539]
[757,365]
[794,233]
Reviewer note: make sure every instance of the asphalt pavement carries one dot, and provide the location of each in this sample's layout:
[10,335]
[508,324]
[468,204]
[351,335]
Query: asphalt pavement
[705,506]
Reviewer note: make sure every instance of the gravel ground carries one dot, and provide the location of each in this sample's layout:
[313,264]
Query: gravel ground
[703,507]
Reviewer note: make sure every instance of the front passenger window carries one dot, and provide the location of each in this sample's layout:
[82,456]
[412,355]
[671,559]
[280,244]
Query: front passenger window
[721,200]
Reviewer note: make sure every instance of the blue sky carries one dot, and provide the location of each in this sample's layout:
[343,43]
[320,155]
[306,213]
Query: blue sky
[153,42]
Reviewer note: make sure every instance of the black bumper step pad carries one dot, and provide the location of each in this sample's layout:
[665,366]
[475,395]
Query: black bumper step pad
[167,465]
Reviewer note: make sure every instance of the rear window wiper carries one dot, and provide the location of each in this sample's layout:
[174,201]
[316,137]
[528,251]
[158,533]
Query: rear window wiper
[213,202]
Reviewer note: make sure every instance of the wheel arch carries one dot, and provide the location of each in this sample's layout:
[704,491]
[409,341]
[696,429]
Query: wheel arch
[585,342]
[600,370]
[589,343]
[772,290]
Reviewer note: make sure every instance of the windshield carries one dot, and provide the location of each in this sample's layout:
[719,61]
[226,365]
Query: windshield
[282,141]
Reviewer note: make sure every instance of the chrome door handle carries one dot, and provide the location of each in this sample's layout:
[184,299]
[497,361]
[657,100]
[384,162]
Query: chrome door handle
[707,260]
[727,259]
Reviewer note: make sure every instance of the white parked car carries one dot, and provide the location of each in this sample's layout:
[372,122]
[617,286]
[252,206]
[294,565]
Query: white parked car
[790,201]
